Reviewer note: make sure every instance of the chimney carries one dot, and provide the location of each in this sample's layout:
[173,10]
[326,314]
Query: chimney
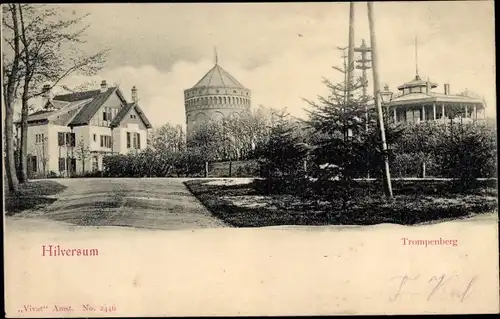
[104,86]
[46,91]
[447,89]
[45,95]
[428,86]
[134,94]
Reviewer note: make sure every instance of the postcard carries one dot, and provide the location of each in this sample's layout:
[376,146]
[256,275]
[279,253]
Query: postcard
[236,159]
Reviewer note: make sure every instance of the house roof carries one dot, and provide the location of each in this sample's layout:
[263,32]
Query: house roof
[416,82]
[413,98]
[218,77]
[66,114]
[77,96]
[125,110]
[85,115]
[61,115]
[78,108]
[39,115]
[423,98]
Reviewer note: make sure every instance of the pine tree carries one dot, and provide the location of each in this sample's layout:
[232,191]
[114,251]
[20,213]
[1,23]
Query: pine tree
[282,155]
[342,127]
[345,130]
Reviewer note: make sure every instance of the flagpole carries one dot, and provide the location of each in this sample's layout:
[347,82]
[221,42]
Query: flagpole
[378,105]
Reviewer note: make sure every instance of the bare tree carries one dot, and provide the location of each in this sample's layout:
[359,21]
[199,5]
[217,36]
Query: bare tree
[42,153]
[11,78]
[168,137]
[50,52]
[82,153]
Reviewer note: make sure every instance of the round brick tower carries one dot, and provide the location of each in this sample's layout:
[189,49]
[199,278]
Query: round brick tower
[216,96]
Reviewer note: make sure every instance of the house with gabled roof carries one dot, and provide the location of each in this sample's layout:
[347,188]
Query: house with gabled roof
[73,132]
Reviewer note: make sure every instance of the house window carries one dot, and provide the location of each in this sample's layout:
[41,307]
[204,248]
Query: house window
[62,164]
[33,163]
[71,164]
[60,139]
[137,141]
[95,163]
[106,141]
[95,137]
[107,114]
[132,116]
[128,139]
[70,139]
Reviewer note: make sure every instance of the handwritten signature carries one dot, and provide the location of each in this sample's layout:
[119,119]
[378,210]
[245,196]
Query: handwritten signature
[435,284]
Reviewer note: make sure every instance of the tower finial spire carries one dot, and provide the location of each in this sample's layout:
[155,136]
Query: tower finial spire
[216,56]
[416,56]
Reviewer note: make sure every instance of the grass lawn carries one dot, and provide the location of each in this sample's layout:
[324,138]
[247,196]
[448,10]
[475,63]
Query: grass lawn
[246,205]
[31,195]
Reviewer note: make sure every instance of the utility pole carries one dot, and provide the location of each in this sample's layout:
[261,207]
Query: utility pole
[346,86]
[376,90]
[350,57]
[364,65]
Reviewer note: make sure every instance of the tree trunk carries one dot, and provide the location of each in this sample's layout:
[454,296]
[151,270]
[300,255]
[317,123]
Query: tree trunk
[423,170]
[10,165]
[9,94]
[44,159]
[28,72]
[23,150]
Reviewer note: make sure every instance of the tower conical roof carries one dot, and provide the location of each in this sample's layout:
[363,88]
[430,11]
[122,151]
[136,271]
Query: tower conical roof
[218,77]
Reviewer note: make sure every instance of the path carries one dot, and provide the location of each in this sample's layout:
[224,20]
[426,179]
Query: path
[154,203]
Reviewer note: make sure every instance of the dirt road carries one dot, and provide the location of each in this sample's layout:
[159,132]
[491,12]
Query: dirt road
[131,202]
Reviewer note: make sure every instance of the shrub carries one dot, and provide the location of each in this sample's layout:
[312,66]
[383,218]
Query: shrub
[52,174]
[469,152]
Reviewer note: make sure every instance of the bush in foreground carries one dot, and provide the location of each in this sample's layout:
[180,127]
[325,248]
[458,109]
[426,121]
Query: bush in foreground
[31,195]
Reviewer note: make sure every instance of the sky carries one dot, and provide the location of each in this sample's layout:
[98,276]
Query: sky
[281,51]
